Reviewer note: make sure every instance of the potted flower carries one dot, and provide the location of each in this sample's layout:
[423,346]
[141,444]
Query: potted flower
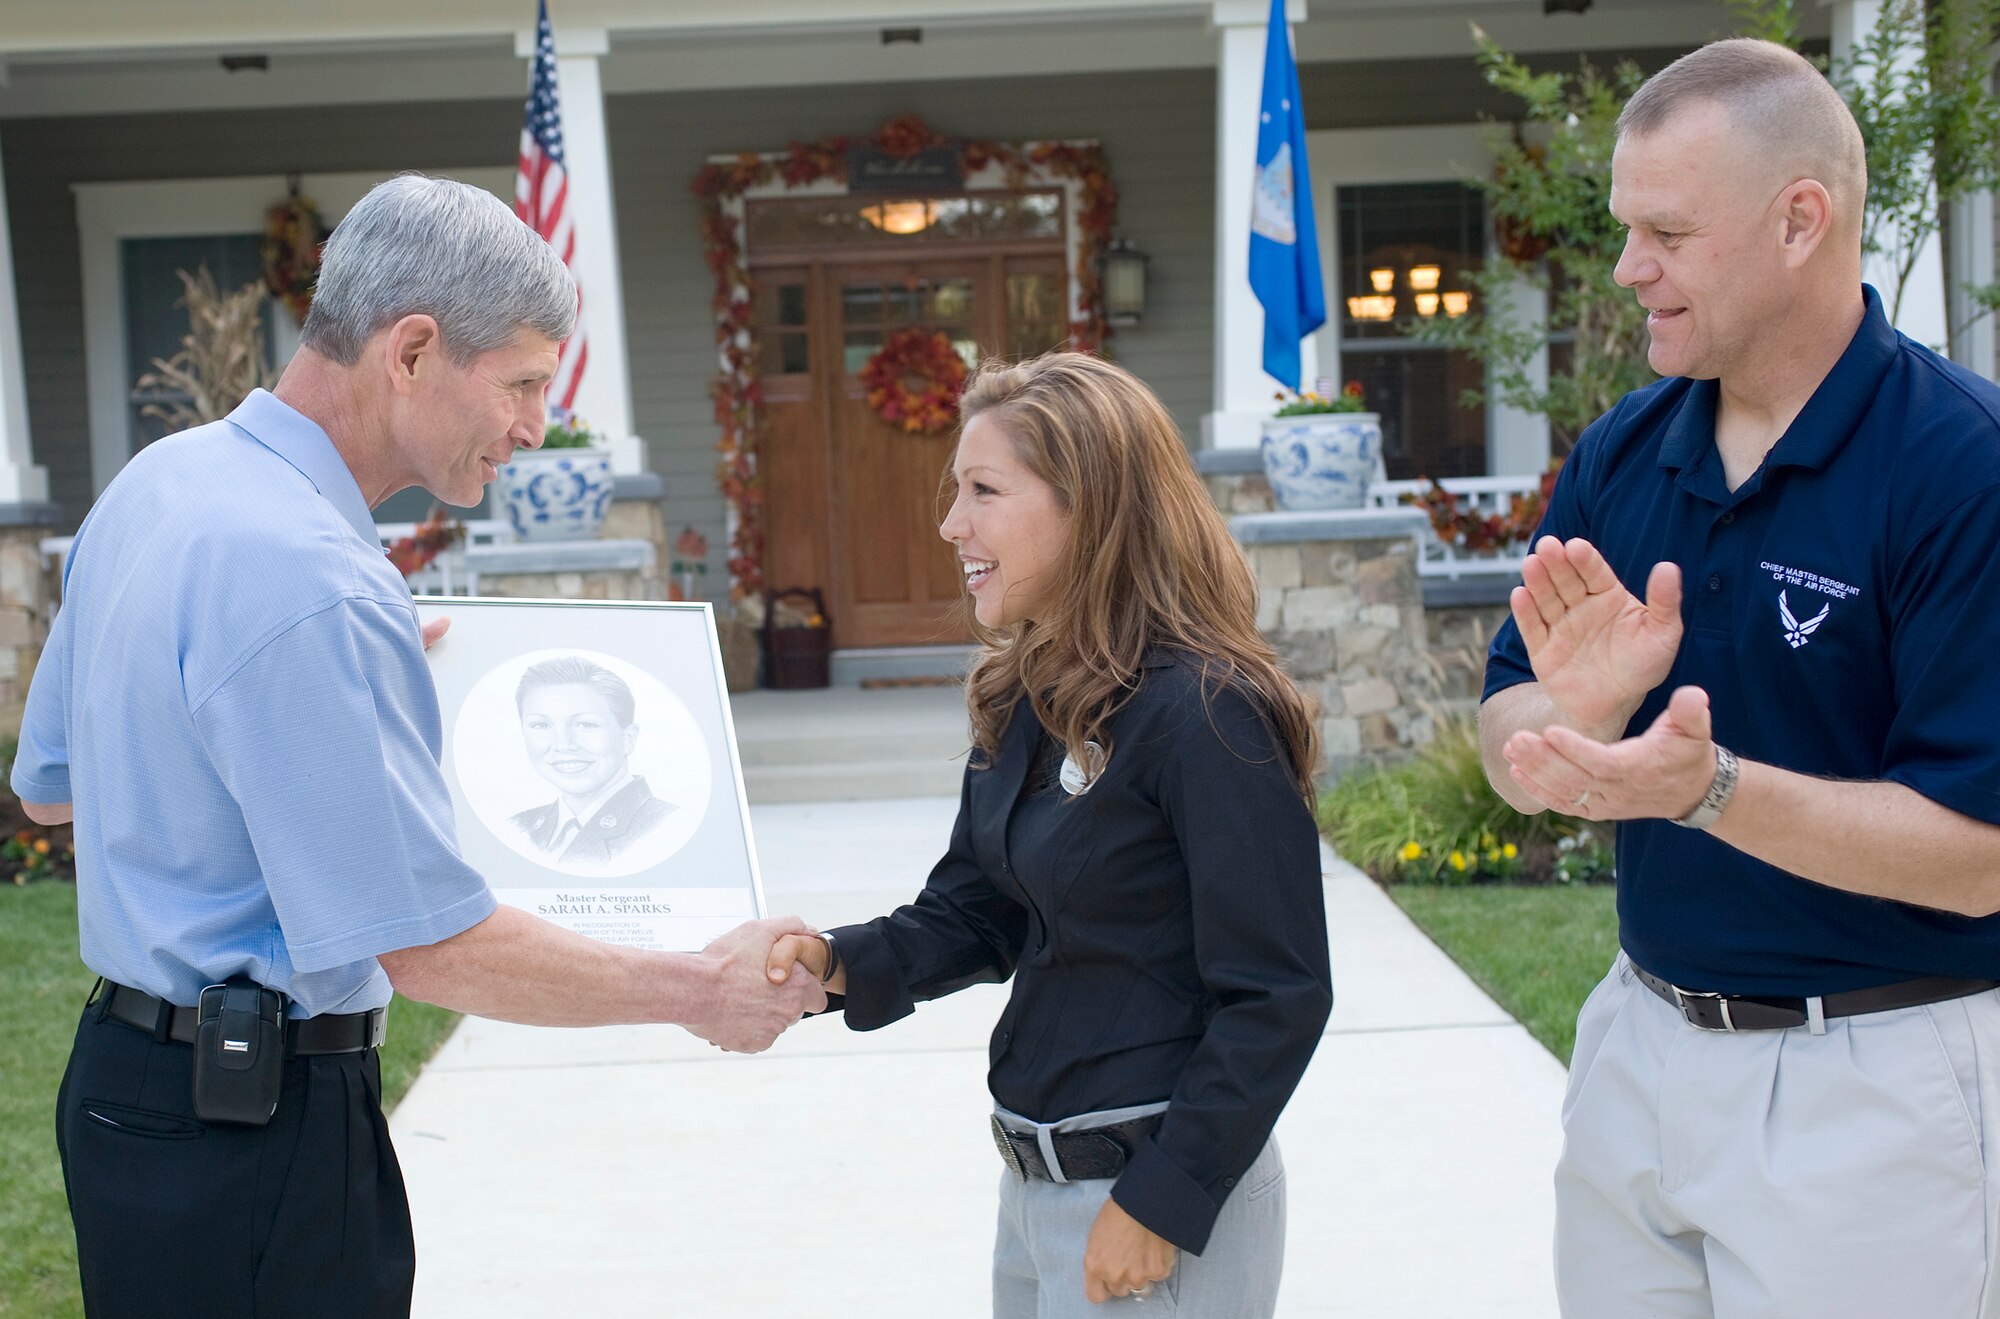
[561,490]
[1322,450]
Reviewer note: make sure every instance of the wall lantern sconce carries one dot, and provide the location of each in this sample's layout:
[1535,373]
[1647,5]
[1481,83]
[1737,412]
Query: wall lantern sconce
[1122,267]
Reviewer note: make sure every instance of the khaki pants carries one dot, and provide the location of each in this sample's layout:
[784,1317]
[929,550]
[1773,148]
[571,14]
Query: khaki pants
[1038,1254]
[1848,1175]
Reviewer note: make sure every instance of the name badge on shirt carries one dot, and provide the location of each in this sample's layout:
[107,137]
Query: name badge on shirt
[1076,779]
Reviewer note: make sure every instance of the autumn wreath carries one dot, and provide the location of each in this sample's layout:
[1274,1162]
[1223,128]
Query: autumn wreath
[294,236]
[919,355]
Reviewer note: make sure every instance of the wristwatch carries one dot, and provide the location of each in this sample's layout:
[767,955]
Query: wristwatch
[1720,790]
[832,956]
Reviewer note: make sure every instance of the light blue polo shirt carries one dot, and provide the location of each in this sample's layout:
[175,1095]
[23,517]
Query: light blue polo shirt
[234,696]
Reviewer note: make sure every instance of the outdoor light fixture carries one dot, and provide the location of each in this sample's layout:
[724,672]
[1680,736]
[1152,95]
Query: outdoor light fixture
[900,218]
[1378,307]
[1424,279]
[1457,303]
[1122,267]
[1383,278]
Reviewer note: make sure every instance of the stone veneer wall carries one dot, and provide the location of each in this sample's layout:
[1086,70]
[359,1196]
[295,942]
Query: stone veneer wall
[1338,596]
[27,594]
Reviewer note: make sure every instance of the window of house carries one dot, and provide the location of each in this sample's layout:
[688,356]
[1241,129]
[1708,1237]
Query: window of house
[156,317]
[1405,251]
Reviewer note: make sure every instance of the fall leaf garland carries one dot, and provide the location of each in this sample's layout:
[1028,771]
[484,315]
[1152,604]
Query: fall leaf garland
[721,187]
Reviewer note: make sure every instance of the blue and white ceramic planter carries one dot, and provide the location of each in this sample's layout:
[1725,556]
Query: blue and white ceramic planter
[557,494]
[1322,460]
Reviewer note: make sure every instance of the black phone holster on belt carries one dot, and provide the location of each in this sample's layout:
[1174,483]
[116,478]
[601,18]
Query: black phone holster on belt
[239,1053]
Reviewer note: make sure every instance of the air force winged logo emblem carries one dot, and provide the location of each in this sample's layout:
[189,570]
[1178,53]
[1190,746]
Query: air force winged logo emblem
[1798,633]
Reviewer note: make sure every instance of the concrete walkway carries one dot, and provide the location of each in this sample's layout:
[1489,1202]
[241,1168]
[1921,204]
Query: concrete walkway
[638,1172]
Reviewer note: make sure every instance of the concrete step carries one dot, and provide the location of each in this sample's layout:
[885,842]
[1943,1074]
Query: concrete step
[915,745]
[856,780]
[846,744]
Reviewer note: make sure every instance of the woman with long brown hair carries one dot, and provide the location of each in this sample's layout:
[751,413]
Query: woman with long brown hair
[1134,846]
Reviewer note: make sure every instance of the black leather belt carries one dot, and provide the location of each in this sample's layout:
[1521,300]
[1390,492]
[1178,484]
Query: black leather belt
[1084,1155]
[304,1037]
[1733,1012]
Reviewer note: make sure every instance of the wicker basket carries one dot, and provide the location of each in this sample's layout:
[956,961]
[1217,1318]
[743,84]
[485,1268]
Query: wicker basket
[741,658]
[796,656]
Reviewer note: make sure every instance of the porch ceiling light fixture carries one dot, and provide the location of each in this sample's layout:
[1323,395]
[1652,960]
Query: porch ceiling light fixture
[1427,304]
[1122,268]
[1457,303]
[1383,278]
[900,218]
[1424,279]
[1372,307]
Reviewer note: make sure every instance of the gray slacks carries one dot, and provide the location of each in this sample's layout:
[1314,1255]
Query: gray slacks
[1038,1254]
[1779,1174]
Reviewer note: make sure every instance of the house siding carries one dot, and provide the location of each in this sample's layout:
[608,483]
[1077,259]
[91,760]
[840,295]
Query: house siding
[1158,130]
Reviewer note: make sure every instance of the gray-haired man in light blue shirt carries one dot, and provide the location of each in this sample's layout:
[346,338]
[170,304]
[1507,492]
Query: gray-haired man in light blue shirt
[235,709]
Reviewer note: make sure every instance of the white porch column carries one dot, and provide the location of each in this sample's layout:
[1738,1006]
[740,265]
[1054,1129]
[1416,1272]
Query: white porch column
[604,395]
[1922,315]
[1972,258]
[21,481]
[1517,442]
[1242,392]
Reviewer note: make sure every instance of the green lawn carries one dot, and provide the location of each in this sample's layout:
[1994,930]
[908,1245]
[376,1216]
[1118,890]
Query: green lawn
[43,986]
[1537,950]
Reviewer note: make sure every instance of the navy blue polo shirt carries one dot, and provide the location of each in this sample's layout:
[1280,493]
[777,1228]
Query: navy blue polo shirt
[1842,610]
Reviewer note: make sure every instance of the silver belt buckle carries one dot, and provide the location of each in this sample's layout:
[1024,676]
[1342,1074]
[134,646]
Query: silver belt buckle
[1681,996]
[1008,1154]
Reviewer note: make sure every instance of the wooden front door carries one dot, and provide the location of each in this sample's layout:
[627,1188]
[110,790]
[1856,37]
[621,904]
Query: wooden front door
[895,582]
[852,503]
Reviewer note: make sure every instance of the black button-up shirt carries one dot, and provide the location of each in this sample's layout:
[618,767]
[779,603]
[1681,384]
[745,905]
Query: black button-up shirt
[1166,931]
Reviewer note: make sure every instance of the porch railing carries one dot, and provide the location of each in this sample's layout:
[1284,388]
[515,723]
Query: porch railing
[1490,495]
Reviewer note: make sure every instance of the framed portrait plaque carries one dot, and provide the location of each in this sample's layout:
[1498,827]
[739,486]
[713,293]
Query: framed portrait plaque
[592,765]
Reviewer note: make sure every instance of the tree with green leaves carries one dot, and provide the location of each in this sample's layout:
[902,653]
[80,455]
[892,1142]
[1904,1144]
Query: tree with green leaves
[1919,86]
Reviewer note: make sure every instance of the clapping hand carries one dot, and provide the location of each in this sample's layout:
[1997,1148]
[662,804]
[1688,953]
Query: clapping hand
[1661,774]
[755,1006]
[1596,648]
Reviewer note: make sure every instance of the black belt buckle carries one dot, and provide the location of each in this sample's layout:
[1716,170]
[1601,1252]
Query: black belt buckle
[1008,1154]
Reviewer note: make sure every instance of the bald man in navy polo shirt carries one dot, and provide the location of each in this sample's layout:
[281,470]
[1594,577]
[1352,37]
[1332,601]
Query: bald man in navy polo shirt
[1785,1098]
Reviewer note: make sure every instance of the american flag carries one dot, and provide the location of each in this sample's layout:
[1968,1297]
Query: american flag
[541,195]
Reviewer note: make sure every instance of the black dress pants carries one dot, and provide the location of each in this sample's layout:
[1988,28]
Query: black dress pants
[180,1219]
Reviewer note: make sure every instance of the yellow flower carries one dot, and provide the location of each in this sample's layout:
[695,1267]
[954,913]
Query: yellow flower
[1488,840]
[1457,860]
[1411,851]
[1510,851]
[1492,854]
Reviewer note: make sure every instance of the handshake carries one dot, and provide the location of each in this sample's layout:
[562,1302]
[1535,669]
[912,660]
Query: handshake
[763,977]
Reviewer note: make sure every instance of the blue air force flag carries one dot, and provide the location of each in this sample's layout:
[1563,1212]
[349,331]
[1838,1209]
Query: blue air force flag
[1284,244]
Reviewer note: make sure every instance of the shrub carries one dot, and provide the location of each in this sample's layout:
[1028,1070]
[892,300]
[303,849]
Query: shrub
[1435,819]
